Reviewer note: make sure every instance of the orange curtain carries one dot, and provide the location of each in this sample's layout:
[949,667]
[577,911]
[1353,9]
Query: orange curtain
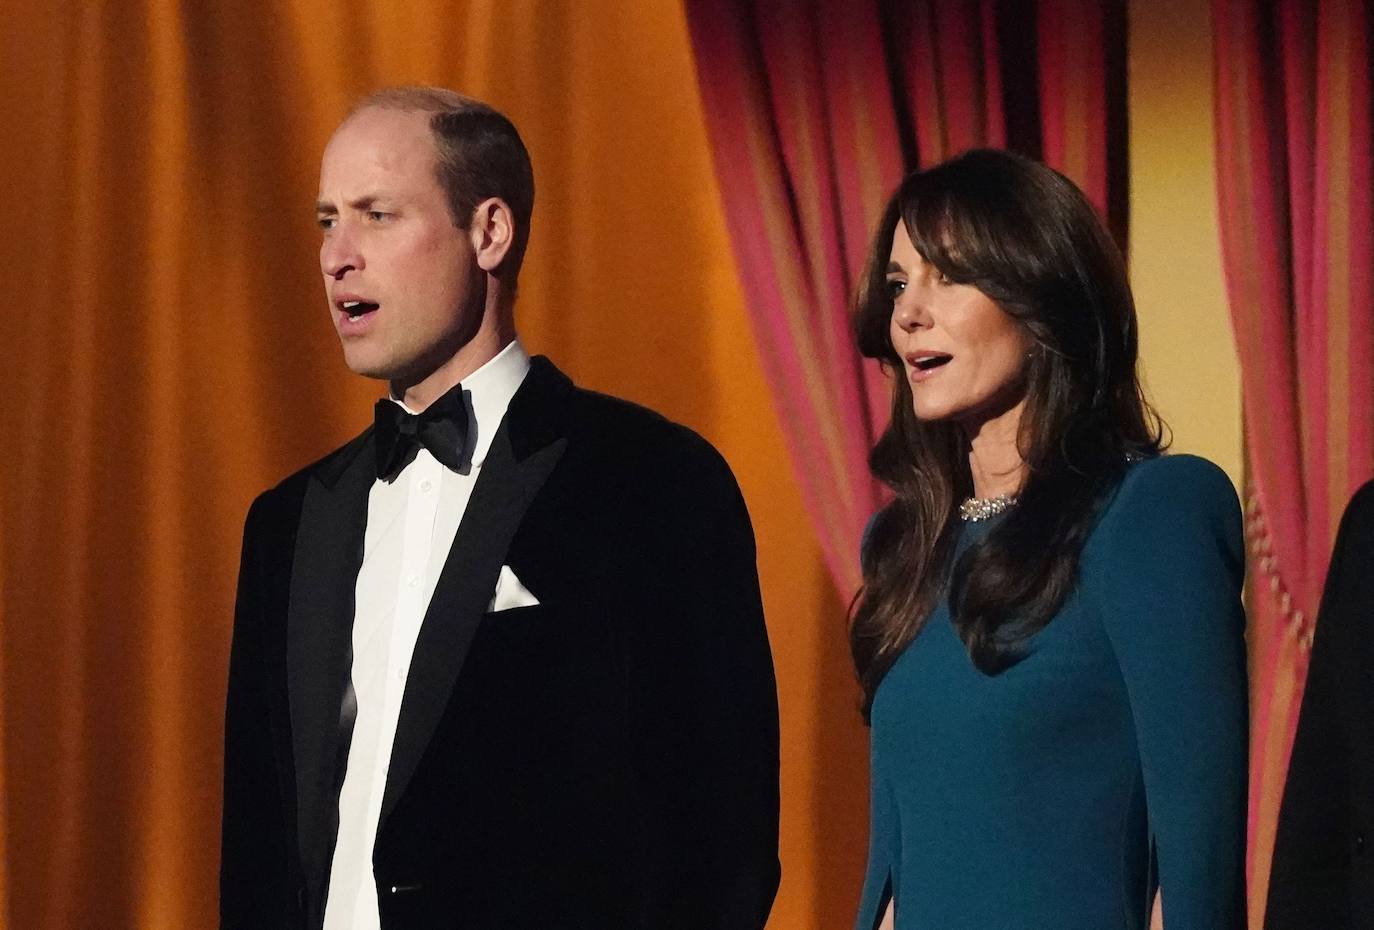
[1295,172]
[167,355]
[4,813]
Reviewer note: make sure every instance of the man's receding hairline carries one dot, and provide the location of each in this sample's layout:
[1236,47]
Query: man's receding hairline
[420,99]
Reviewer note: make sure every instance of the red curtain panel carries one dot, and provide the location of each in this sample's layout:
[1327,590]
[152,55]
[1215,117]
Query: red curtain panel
[1294,174]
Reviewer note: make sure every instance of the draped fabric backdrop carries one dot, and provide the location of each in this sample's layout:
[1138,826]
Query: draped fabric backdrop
[1295,176]
[4,797]
[168,355]
[815,111]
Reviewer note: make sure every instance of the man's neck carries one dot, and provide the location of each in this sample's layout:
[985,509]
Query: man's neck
[484,346]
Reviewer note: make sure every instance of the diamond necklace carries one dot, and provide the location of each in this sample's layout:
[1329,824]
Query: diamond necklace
[974,509]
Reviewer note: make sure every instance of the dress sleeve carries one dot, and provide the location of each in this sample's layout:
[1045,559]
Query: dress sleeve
[882,816]
[880,879]
[1166,568]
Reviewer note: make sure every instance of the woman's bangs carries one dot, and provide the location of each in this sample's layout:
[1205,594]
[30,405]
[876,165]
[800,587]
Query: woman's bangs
[942,235]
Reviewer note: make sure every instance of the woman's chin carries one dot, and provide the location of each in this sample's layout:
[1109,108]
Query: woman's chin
[935,412]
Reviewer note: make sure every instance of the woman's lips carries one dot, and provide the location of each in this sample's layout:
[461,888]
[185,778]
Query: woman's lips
[925,367]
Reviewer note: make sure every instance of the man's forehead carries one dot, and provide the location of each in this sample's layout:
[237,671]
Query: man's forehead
[380,141]
[386,122]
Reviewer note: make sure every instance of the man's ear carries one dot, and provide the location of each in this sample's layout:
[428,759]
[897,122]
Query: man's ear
[492,233]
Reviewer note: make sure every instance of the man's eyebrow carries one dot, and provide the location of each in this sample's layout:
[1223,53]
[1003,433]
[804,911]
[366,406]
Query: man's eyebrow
[361,204]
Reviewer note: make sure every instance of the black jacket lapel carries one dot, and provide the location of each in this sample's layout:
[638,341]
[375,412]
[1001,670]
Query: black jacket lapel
[329,552]
[523,452]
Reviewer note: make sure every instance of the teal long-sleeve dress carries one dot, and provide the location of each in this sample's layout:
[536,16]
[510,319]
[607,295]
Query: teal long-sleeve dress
[1110,760]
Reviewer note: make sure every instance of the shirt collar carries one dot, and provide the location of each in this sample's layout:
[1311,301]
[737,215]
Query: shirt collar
[487,392]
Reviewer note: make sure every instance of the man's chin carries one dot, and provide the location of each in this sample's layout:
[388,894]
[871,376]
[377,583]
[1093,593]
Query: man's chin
[399,378]
[374,368]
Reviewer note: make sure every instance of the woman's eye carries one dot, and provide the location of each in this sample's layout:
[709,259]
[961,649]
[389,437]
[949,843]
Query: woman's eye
[895,286]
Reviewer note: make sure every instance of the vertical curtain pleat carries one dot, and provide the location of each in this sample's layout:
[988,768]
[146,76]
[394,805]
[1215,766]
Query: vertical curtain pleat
[1294,174]
[778,79]
[4,795]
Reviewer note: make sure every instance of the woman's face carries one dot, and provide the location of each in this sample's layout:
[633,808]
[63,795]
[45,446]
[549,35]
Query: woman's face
[962,354]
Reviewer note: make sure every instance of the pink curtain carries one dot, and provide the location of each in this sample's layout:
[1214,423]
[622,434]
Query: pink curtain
[815,110]
[1294,176]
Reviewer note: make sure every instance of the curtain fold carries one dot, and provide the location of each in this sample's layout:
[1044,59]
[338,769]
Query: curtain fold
[1294,169]
[815,111]
[4,796]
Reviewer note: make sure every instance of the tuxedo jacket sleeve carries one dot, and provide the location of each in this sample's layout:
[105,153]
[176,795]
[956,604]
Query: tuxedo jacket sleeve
[704,717]
[260,878]
[1323,867]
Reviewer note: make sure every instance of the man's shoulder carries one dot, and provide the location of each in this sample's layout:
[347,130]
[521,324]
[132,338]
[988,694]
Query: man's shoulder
[637,434]
[1359,514]
[597,412]
[289,491]
[671,484]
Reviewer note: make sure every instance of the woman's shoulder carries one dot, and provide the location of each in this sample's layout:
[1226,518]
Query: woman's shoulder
[1162,471]
[1169,541]
[1167,497]
[1169,483]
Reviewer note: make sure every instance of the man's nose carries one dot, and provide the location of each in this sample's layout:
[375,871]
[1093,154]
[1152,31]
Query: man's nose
[339,254]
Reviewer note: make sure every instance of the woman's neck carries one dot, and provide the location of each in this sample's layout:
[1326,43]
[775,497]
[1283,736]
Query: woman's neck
[994,457]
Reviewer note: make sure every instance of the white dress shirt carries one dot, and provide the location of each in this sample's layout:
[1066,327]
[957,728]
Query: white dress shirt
[411,523]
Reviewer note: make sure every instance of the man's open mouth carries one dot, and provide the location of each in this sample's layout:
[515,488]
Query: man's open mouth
[355,309]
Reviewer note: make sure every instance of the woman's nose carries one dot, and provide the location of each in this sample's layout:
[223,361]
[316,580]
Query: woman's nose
[908,313]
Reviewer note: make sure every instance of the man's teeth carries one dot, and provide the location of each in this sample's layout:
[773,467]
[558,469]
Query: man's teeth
[356,308]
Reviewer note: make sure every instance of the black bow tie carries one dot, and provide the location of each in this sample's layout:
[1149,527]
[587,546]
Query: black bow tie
[442,428]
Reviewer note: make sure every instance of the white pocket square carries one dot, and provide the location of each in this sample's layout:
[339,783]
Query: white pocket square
[510,593]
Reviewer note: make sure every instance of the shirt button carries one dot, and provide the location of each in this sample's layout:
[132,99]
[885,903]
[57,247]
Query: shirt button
[413,580]
[426,485]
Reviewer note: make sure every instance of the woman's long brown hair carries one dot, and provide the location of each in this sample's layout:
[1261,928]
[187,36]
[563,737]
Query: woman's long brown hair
[1026,237]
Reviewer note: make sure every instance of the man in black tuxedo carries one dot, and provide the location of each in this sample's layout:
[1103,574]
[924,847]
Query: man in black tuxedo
[1323,870]
[500,661]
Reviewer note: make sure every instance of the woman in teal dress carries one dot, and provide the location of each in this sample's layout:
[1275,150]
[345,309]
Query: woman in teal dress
[1050,637]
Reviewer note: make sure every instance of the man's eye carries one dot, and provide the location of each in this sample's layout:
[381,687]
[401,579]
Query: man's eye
[377,215]
[895,286]
[326,222]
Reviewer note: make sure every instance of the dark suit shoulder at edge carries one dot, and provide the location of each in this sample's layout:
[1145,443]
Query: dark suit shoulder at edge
[626,423]
[293,485]
[1360,510]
